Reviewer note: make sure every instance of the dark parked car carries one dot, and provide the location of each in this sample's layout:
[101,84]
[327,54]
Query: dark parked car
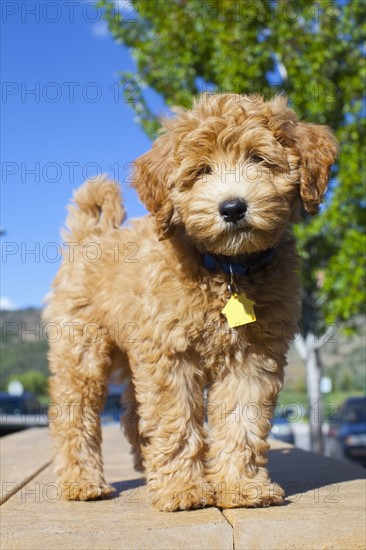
[113,408]
[18,412]
[26,403]
[347,431]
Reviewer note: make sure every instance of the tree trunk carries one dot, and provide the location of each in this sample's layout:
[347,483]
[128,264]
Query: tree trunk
[313,376]
[308,351]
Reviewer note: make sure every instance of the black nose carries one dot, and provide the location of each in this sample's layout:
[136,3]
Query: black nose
[233,210]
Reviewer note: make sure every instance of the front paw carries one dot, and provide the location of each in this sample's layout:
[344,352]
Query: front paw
[85,489]
[193,496]
[248,494]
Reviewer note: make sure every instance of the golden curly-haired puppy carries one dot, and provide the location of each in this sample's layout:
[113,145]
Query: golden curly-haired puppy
[223,183]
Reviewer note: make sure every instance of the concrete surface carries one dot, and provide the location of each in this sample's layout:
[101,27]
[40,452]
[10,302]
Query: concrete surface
[324,508]
[23,455]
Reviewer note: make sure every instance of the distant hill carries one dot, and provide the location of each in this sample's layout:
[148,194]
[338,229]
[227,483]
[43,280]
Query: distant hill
[23,348]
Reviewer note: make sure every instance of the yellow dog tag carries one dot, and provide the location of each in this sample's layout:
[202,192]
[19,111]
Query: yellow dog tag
[239,310]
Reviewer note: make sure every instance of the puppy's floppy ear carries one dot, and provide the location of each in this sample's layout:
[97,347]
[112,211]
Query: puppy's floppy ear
[318,149]
[150,179]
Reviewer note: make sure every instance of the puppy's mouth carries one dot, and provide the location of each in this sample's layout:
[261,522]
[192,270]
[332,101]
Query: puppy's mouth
[230,240]
[242,226]
[242,237]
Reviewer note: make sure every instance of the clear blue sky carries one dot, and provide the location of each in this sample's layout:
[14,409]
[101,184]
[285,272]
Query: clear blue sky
[74,125]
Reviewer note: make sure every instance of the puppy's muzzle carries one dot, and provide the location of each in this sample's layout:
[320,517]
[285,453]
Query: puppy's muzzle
[233,210]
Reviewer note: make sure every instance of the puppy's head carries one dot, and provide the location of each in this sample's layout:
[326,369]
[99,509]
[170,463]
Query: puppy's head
[233,171]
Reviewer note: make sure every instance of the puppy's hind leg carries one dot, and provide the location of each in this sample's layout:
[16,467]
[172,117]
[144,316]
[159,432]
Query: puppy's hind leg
[130,421]
[78,389]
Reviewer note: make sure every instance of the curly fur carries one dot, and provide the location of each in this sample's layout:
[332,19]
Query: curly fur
[157,320]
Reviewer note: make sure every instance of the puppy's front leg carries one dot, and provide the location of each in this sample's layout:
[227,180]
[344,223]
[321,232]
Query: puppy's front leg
[170,399]
[239,412]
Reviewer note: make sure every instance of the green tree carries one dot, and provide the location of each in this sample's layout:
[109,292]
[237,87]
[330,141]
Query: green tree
[312,51]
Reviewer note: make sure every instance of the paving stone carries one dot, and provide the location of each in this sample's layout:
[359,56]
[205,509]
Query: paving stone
[325,505]
[36,518]
[22,455]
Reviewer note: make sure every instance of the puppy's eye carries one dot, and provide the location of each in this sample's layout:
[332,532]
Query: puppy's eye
[256,159]
[204,170]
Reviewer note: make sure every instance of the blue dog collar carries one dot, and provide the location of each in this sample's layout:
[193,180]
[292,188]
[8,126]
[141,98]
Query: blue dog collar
[226,264]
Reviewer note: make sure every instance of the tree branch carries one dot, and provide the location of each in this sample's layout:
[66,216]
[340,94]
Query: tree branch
[300,347]
[324,338]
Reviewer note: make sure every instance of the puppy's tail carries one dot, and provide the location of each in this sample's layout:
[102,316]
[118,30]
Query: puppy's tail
[97,205]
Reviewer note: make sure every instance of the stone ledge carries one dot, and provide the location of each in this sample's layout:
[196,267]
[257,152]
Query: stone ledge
[324,507]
